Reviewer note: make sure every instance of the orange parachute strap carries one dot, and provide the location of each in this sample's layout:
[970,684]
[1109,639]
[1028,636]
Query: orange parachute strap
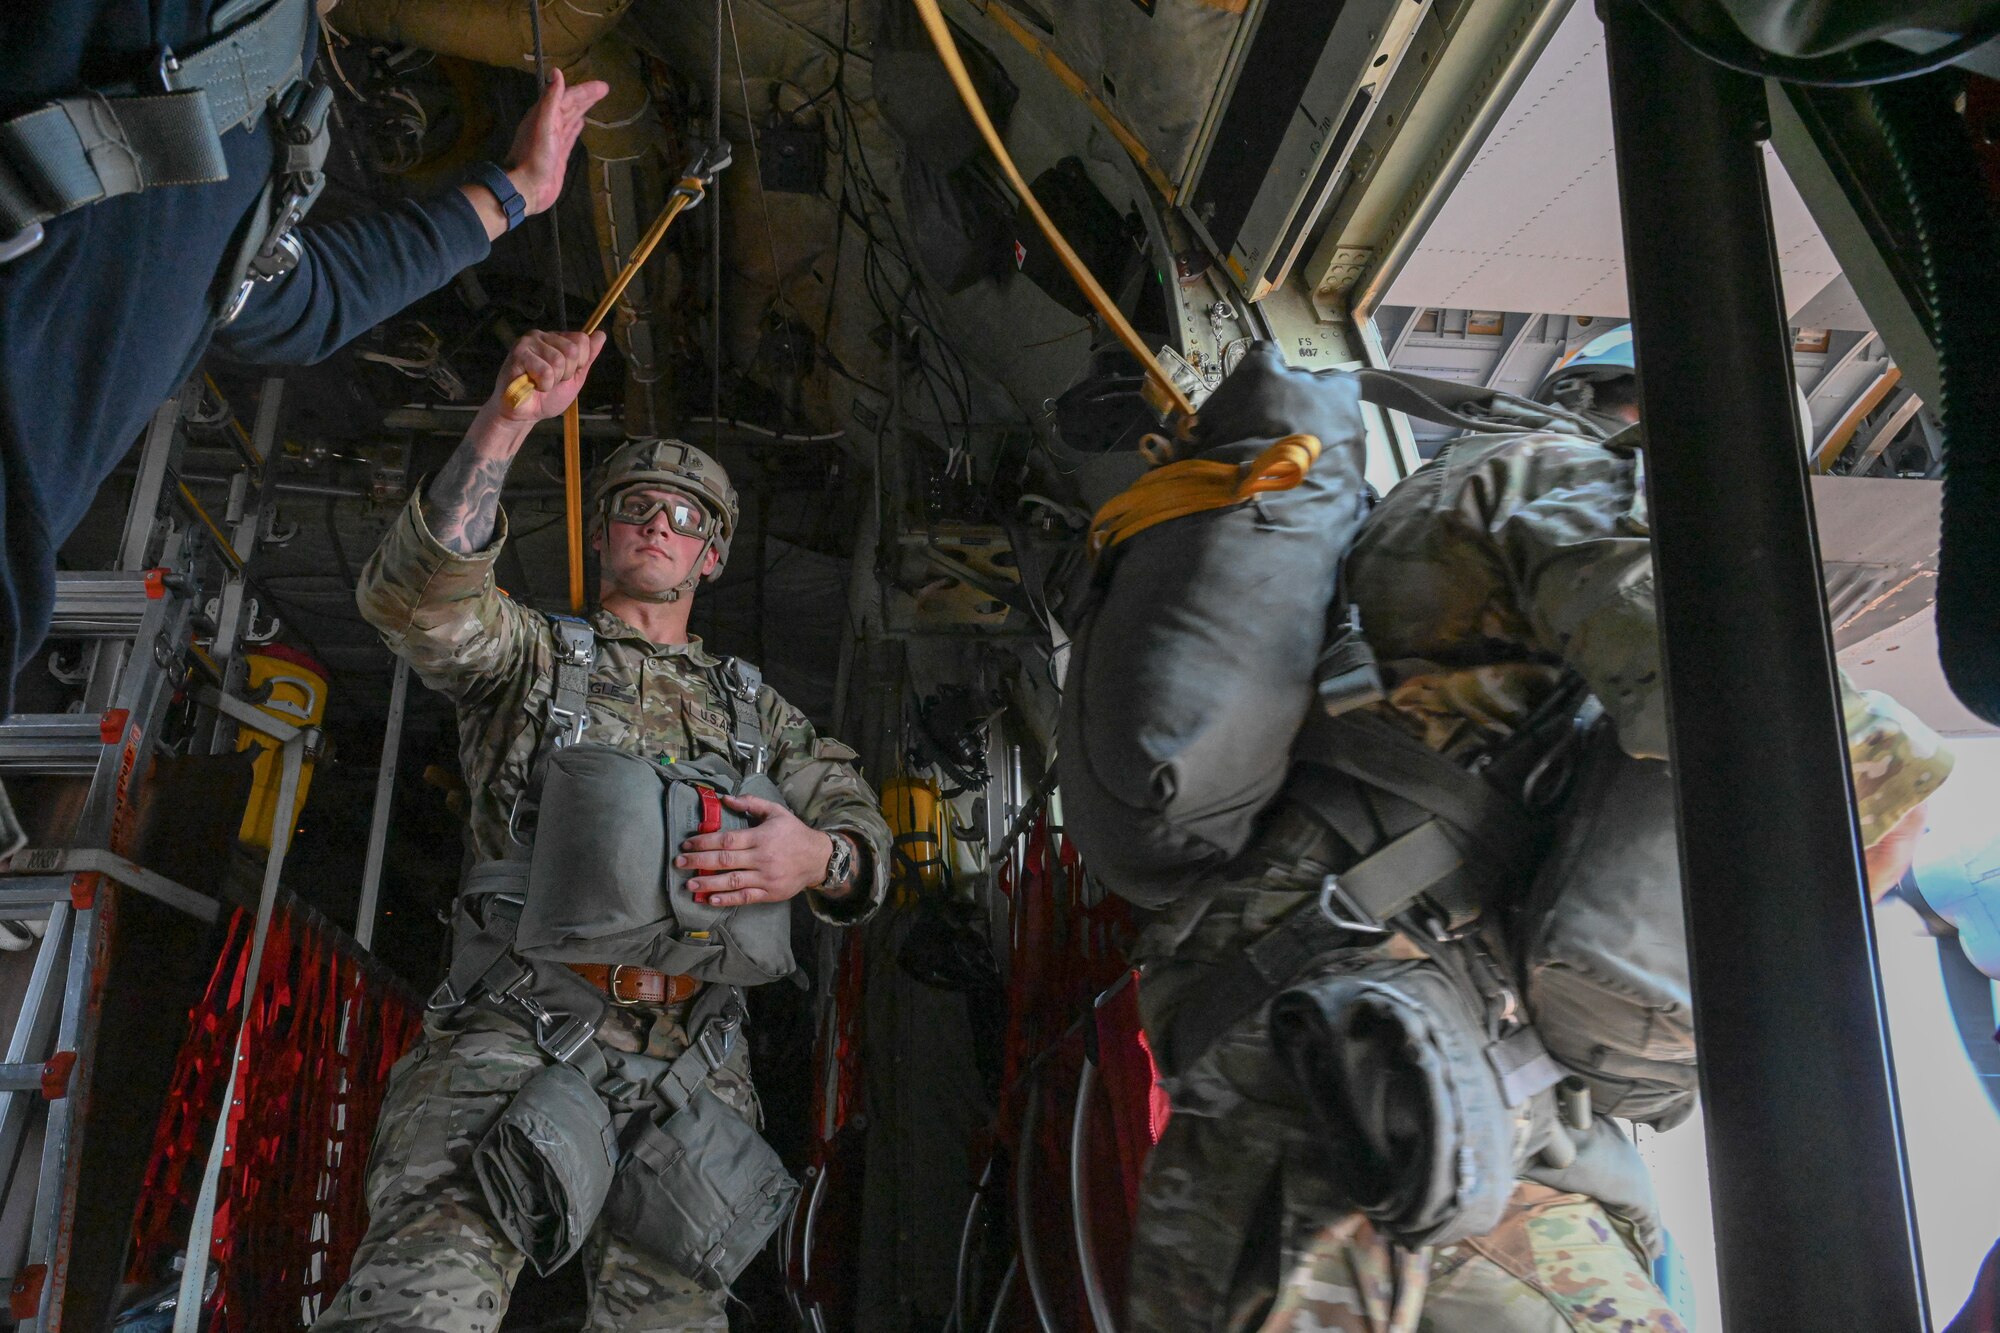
[689,191]
[1198,485]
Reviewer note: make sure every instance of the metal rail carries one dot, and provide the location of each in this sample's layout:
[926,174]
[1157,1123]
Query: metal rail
[1811,1196]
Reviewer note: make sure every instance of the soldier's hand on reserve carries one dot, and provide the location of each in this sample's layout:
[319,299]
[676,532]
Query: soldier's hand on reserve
[547,133]
[778,857]
[557,363]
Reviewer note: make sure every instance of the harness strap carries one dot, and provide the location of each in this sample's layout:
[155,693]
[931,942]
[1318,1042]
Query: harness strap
[567,713]
[1443,837]
[76,151]
[741,685]
[1246,985]
[564,1011]
[1376,752]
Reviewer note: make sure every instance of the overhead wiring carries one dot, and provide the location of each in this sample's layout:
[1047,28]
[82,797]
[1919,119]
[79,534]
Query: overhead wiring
[715,252]
[763,195]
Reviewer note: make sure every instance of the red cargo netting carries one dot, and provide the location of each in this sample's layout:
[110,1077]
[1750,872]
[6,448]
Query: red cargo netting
[322,1033]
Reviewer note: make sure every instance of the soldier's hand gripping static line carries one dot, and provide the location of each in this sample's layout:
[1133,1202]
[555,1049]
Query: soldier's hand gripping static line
[464,497]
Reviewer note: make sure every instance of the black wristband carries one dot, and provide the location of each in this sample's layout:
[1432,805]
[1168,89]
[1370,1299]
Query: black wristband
[512,204]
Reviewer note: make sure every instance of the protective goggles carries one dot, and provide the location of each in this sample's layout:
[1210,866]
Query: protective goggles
[683,515]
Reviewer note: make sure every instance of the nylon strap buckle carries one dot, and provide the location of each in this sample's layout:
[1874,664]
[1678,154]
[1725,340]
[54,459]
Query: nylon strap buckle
[559,1035]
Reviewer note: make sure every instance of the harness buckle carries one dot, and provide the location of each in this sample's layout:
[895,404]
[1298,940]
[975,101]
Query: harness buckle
[1338,906]
[758,757]
[569,724]
[571,1035]
[444,997]
[559,1035]
[165,68]
[716,1049]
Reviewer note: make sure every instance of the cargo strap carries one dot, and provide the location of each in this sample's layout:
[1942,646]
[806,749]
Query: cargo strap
[76,151]
[741,685]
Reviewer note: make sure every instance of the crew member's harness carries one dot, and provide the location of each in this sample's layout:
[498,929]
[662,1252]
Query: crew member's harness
[167,128]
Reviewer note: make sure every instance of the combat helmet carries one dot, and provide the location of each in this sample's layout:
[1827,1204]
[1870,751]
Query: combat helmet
[678,466]
[1605,357]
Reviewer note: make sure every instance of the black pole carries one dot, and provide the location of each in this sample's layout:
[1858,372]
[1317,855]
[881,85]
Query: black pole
[1811,1198]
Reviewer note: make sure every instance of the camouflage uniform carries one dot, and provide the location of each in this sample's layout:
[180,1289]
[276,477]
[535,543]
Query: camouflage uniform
[1479,580]
[432,1258]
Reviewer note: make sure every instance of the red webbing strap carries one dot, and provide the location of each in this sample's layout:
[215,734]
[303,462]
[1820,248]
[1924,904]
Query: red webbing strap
[291,1206]
[168,1189]
[711,811]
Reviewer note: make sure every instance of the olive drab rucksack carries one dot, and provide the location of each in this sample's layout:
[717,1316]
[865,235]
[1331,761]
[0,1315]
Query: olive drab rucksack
[1602,939]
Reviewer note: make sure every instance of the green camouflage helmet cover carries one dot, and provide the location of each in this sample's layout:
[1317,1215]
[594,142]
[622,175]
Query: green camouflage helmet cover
[677,466]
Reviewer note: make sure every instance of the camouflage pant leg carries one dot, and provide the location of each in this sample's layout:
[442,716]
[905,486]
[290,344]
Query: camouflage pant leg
[1556,1263]
[432,1259]
[633,1293]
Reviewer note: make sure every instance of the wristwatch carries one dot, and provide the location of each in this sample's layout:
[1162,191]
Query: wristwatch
[839,863]
[512,204]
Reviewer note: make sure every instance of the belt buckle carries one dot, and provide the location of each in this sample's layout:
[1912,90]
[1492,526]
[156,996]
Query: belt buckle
[611,987]
[1337,905]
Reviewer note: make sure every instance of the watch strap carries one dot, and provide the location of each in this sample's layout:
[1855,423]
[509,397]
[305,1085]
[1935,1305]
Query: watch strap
[840,862]
[512,204]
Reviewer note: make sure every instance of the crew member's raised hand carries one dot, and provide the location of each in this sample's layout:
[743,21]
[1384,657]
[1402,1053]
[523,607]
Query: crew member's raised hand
[556,364]
[546,134]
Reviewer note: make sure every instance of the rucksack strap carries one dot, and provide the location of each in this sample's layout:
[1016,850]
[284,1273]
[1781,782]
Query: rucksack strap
[741,685]
[1476,836]
[75,151]
[1470,407]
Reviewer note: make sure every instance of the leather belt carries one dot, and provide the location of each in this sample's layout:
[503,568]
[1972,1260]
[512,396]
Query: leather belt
[628,985]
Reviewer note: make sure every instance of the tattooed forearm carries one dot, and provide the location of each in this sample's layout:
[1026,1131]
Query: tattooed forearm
[463,503]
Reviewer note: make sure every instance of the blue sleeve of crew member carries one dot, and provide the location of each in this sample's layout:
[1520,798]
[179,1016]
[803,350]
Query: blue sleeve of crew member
[354,274]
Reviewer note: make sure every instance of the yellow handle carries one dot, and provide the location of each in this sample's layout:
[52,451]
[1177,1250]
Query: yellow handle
[688,192]
[1161,390]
